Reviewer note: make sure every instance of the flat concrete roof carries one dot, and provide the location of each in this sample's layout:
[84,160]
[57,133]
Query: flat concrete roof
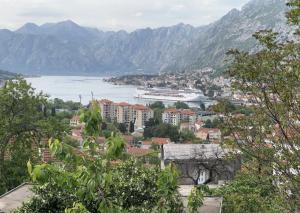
[14,198]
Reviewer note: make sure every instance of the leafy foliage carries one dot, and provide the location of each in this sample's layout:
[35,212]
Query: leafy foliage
[250,193]
[269,137]
[91,180]
[181,105]
[162,130]
[23,126]
[196,198]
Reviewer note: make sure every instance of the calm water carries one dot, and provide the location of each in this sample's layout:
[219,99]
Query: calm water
[70,87]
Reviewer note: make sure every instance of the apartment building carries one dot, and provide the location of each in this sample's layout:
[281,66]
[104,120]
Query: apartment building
[125,113]
[142,114]
[108,109]
[176,116]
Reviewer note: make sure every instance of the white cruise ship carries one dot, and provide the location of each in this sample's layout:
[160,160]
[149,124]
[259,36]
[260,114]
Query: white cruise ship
[186,95]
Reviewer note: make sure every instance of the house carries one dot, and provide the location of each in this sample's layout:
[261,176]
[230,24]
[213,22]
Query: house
[200,163]
[75,121]
[212,135]
[186,126]
[199,124]
[76,134]
[155,141]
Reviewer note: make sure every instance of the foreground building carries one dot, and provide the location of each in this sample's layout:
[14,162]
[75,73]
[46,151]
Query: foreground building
[200,163]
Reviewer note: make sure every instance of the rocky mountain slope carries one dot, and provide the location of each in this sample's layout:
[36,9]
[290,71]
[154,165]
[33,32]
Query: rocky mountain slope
[67,48]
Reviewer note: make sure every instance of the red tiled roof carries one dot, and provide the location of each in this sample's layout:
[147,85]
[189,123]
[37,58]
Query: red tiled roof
[171,110]
[105,101]
[75,118]
[208,130]
[161,141]
[180,111]
[188,112]
[140,107]
[137,151]
[123,104]
[128,138]
[147,142]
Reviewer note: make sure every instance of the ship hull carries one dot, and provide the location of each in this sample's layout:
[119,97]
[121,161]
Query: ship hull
[183,97]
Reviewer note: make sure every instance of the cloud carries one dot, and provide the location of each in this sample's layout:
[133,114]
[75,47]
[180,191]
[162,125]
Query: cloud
[115,14]
[138,14]
[41,12]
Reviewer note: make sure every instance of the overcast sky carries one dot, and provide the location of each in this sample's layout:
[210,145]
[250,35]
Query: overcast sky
[115,14]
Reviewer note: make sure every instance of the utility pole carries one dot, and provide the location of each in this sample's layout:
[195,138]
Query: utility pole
[80,97]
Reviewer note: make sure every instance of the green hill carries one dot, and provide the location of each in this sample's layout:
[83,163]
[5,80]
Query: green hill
[4,75]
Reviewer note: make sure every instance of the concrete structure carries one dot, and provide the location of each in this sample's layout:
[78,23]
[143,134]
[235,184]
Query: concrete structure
[14,198]
[176,116]
[200,163]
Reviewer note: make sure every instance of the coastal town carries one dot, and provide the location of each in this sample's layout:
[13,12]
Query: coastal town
[207,80]
[202,127]
[143,116]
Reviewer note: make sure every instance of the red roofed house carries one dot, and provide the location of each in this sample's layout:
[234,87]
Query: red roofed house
[199,124]
[135,151]
[210,134]
[155,141]
[75,121]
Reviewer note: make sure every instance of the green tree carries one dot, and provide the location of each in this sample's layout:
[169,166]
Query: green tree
[250,193]
[162,130]
[23,126]
[196,198]
[157,105]
[269,138]
[181,105]
[223,106]
[122,127]
[187,135]
[94,181]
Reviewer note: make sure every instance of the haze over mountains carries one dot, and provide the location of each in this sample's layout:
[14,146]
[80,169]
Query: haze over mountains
[66,48]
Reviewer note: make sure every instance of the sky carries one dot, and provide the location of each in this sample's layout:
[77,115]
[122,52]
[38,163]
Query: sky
[115,14]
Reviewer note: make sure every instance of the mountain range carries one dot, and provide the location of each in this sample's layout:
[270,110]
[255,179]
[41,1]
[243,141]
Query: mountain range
[65,48]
